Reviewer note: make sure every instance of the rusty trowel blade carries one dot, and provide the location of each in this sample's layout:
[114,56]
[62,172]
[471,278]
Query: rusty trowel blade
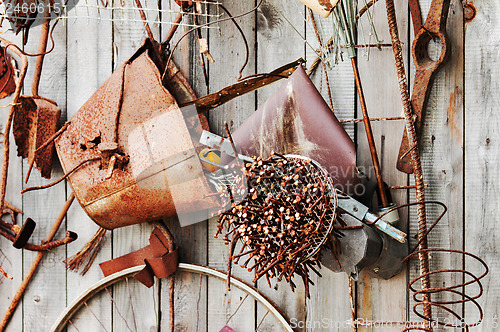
[297,120]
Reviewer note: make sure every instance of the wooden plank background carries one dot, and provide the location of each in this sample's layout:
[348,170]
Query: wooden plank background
[459,155]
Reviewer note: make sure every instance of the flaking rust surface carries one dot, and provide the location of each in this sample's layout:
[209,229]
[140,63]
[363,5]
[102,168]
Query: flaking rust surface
[35,121]
[117,200]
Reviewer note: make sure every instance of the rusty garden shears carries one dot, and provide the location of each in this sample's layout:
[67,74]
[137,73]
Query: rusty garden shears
[434,28]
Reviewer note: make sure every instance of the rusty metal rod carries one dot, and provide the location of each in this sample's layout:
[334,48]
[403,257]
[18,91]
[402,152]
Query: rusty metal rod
[415,156]
[61,178]
[144,20]
[173,29]
[70,237]
[8,124]
[372,119]
[20,292]
[5,274]
[230,137]
[365,8]
[369,134]
[12,207]
[42,47]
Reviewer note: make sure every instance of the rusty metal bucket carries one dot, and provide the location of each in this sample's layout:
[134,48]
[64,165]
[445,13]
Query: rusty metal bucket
[119,150]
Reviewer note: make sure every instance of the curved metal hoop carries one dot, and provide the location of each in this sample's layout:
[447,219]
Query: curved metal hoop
[73,308]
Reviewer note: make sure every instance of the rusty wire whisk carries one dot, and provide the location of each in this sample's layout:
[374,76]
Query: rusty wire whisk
[282,220]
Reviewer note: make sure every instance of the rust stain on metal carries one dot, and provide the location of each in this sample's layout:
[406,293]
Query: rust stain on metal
[286,130]
[119,200]
[35,121]
[327,4]
[469,12]
[452,120]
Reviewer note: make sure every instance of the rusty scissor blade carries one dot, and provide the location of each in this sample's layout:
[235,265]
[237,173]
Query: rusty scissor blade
[434,28]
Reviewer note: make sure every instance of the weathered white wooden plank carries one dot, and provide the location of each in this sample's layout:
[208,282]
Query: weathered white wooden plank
[228,50]
[128,31]
[378,299]
[330,303]
[89,65]
[128,35]
[442,162]
[11,258]
[190,290]
[482,80]
[278,44]
[44,297]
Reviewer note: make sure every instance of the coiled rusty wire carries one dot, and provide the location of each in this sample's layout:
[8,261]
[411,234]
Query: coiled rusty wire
[458,290]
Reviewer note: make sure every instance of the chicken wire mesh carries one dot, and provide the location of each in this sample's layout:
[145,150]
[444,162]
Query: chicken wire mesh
[31,12]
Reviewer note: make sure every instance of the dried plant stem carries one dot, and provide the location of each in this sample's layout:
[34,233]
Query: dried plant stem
[89,249]
[34,265]
[235,151]
[8,124]
[318,37]
[369,135]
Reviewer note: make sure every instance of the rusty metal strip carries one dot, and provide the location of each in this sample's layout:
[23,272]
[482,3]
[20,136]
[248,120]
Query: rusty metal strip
[416,15]
[251,84]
